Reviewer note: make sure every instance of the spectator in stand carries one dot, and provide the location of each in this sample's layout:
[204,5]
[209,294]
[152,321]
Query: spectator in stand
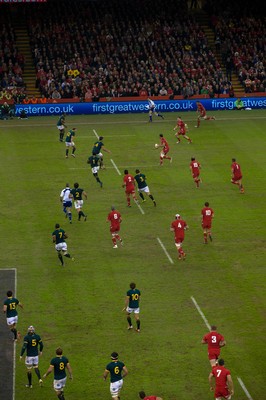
[121,62]
[163,91]
[56,95]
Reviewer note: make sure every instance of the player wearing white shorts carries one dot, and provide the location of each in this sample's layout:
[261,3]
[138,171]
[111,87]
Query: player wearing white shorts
[70,142]
[58,365]
[59,236]
[143,187]
[77,195]
[132,306]
[33,346]
[94,163]
[10,309]
[61,126]
[117,371]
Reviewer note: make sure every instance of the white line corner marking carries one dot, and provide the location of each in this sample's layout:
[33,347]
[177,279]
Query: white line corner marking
[241,383]
[201,313]
[115,166]
[96,134]
[140,208]
[165,251]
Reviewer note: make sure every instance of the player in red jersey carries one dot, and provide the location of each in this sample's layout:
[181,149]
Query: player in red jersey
[179,226]
[143,396]
[130,187]
[215,341]
[224,387]
[115,219]
[195,171]
[207,216]
[182,130]
[202,114]
[165,149]
[236,175]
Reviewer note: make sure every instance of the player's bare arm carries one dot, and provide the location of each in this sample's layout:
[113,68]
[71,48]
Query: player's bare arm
[211,380]
[126,303]
[69,371]
[105,374]
[230,384]
[125,371]
[50,369]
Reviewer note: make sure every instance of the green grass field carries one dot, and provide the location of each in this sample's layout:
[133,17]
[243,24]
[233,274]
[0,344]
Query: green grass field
[79,307]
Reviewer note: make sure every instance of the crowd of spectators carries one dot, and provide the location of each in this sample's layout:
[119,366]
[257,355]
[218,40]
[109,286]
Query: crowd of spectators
[240,33]
[112,49]
[90,50]
[11,63]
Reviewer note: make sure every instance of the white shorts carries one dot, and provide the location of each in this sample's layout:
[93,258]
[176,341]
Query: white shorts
[95,170]
[32,361]
[59,384]
[133,310]
[78,204]
[70,144]
[145,189]
[60,127]
[115,387]
[12,320]
[61,246]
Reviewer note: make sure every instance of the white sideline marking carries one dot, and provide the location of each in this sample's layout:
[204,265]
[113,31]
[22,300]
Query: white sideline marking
[96,134]
[209,327]
[201,313]
[244,388]
[126,166]
[106,136]
[140,208]
[115,167]
[257,117]
[165,251]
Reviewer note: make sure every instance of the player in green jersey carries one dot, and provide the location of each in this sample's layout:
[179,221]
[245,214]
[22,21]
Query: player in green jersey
[97,149]
[61,126]
[77,194]
[143,187]
[10,309]
[70,142]
[132,306]
[59,238]
[94,163]
[117,371]
[32,344]
[58,365]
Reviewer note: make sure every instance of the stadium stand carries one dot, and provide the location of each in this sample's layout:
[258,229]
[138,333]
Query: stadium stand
[90,50]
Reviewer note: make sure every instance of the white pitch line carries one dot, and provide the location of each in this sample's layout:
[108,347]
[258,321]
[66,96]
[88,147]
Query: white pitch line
[201,313]
[126,166]
[96,134]
[127,122]
[140,208]
[115,167]
[241,383]
[209,327]
[165,251]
